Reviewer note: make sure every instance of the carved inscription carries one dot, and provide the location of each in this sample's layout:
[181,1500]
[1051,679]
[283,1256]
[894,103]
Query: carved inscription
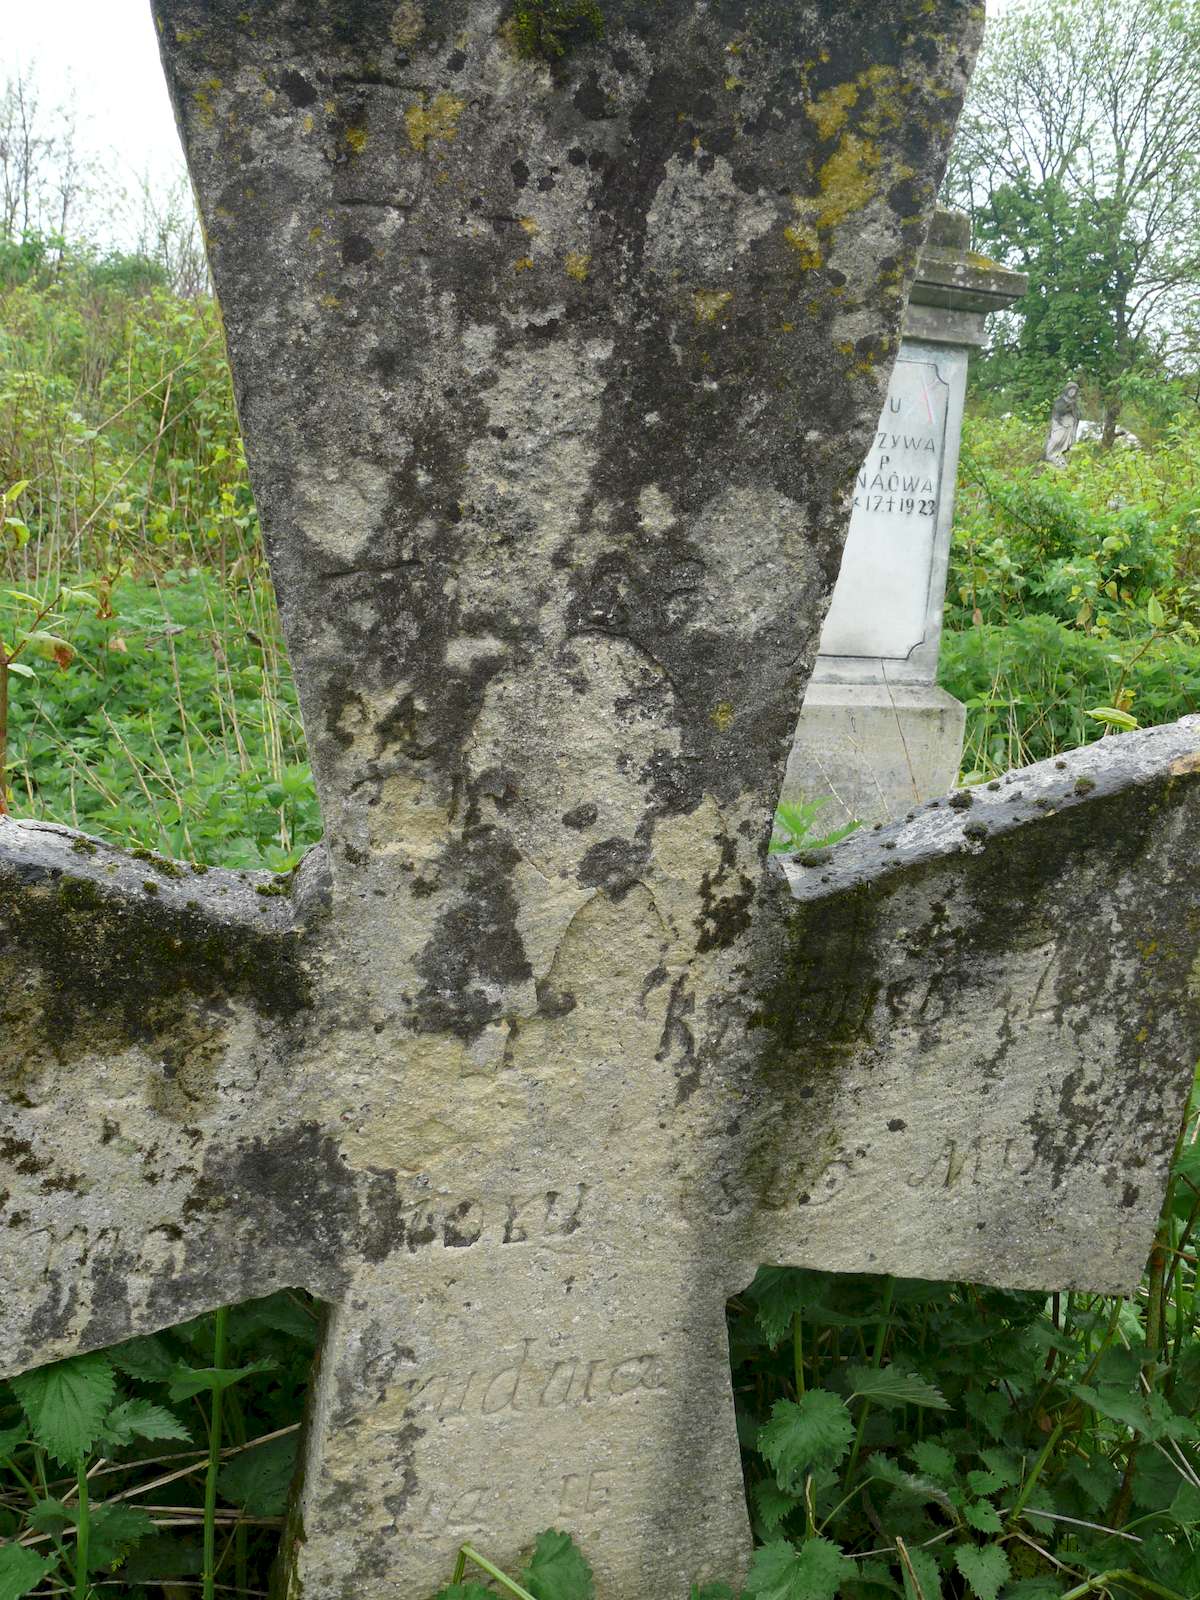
[586,1494]
[880,607]
[458,1222]
[527,1382]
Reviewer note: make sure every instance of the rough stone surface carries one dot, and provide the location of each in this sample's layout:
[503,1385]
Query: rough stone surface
[524,353]
[1007,981]
[872,751]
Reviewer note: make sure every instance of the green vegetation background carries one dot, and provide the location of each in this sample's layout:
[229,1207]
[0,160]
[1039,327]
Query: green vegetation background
[171,718]
[911,1440]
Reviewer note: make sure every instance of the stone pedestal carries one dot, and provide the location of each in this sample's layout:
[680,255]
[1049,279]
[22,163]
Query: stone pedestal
[876,735]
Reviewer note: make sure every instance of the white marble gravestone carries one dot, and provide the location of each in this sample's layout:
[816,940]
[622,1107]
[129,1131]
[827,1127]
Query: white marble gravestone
[876,734]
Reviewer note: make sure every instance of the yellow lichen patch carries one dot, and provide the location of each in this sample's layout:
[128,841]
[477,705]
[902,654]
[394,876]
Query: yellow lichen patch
[407,25]
[204,104]
[316,232]
[732,83]
[709,303]
[801,235]
[721,715]
[829,110]
[848,180]
[438,120]
[307,125]
[530,226]
[523,264]
[329,107]
[578,266]
[356,140]
[269,97]
[330,302]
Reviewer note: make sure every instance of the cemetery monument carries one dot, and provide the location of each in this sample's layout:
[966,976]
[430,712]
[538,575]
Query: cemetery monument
[876,735]
[1064,427]
[532,1063]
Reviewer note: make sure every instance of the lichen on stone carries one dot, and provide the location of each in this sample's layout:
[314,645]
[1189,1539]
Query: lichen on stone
[437,120]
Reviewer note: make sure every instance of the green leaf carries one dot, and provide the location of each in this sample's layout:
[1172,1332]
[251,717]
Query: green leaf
[466,1591]
[1149,1414]
[142,1420]
[814,1432]
[926,1570]
[984,1567]
[258,1479]
[708,1591]
[772,1503]
[147,1358]
[814,1570]
[983,1516]
[11,1440]
[115,1529]
[187,1381]
[1005,1464]
[66,1404]
[934,1460]
[21,669]
[910,1483]
[51,1516]
[558,1570]
[49,647]
[985,1482]
[21,1570]
[1185,1507]
[1113,718]
[888,1386]
[1154,612]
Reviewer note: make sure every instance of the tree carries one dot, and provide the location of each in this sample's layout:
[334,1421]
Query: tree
[1078,159]
[42,175]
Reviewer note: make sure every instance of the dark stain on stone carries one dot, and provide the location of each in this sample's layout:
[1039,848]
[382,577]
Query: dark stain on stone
[613,865]
[357,249]
[582,816]
[297,88]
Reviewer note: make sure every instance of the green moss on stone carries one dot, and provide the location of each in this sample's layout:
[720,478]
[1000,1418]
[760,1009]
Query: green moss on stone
[547,30]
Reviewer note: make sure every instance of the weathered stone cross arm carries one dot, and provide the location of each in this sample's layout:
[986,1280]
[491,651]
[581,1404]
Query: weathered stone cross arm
[972,1036]
[150,1131]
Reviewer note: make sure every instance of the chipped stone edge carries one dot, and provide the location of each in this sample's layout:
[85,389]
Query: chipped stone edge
[35,855]
[963,822]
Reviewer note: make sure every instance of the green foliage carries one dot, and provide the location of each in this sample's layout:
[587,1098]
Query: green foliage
[1080,260]
[796,827]
[1077,156]
[557,1571]
[811,1570]
[547,30]
[1074,599]
[172,723]
[928,1439]
[105,1417]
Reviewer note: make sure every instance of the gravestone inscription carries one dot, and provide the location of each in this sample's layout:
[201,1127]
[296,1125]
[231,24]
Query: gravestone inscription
[519,1072]
[880,605]
[877,735]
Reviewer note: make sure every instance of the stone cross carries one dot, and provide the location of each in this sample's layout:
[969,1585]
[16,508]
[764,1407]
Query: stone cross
[532,1063]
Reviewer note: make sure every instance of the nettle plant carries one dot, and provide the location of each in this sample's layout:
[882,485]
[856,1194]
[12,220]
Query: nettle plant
[91,1504]
[931,1440]
[32,627]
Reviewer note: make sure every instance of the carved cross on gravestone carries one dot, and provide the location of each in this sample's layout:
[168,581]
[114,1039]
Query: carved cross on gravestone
[553,377]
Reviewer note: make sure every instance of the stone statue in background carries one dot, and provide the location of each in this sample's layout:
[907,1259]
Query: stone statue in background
[1064,426]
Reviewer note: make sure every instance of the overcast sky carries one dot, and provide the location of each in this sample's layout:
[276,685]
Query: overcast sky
[102,57]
